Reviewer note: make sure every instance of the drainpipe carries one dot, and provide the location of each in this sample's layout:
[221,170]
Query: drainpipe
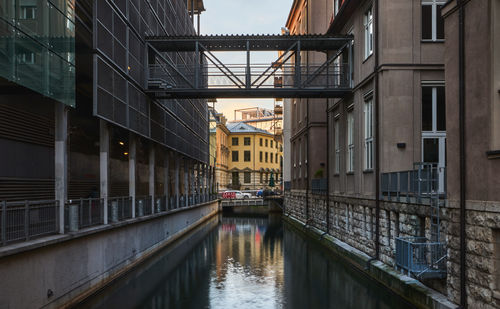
[327,170]
[461,117]
[377,137]
[307,125]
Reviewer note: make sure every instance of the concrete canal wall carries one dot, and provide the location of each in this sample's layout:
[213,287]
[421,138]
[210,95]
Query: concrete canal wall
[351,228]
[61,270]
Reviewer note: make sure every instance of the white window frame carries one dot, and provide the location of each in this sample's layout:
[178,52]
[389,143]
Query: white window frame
[368,113]
[368,24]
[350,141]
[434,4]
[337,145]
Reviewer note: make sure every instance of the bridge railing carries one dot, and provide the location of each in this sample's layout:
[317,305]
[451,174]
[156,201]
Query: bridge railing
[83,212]
[24,220]
[243,202]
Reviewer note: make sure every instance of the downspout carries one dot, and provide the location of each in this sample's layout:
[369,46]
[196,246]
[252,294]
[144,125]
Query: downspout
[307,125]
[461,120]
[377,137]
[327,170]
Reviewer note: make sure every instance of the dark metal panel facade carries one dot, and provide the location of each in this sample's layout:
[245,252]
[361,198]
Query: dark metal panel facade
[120,75]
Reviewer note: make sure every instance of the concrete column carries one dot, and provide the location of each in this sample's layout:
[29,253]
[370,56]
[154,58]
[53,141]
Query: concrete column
[193,185]
[177,178]
[198,181]
[132,160]
[186,183]
[152,176]
[104,164]
[166,177]
[61,159]
[206,181]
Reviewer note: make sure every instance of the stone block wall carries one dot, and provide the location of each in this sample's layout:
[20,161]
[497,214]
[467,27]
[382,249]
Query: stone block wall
[482,253]
[352,220]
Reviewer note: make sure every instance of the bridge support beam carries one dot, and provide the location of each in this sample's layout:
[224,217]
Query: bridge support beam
[104,165]
[61,160]
[132,160]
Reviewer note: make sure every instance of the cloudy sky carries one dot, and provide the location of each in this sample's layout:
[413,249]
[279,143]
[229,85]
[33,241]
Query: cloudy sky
[244,17]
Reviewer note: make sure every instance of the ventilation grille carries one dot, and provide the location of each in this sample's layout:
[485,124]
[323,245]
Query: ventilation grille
[26,127]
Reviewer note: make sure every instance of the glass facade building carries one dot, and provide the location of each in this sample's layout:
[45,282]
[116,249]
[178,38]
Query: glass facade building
[37,46]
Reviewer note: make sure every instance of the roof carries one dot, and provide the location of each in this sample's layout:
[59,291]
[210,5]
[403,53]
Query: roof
[241,127]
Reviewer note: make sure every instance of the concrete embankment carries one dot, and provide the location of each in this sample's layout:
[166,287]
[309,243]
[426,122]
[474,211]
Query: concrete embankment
[61,270]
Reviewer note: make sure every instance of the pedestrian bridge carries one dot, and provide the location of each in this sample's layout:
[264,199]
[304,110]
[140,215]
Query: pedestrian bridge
[286,77]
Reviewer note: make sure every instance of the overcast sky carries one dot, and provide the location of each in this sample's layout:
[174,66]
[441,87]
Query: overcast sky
[244,17]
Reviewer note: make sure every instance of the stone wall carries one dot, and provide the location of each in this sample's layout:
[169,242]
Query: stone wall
[352,220]
[482,253]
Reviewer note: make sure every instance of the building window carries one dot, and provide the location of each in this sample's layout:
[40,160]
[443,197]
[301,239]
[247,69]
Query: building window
[260,156]
[267,177]
[271,144]
[246,156]
[247,176]
[234,141]
[246,141]
[350,142]
[276,158]
[337,146]
[27,12]
[432,21]
[26,58]
[281,148]
[266,156]
[368,23]
[266,143]
[369,134]
[261,177]
[433,109]
[235,178]
[271,155]
[235,156]
[261,142]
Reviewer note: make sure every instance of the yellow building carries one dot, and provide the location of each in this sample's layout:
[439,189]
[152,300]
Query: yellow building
[254,156]
[220,134]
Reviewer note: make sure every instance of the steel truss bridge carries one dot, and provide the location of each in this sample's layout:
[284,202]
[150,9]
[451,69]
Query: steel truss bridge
[289,76]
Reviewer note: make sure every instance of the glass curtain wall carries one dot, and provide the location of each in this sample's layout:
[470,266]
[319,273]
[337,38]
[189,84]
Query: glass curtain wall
[37,46]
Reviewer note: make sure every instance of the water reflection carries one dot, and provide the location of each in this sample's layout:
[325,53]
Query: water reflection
[245,262]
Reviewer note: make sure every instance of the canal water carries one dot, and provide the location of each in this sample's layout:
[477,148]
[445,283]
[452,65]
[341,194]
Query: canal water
[245,262]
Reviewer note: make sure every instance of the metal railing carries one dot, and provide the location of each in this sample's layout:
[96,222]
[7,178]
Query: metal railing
[319,186]
[25,220]
[22,221]
[82,213]
[417,184]
[421,258]
[119,208]
[243,202]
[287,185]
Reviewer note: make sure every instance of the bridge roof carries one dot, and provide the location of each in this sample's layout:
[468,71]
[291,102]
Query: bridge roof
[316,42]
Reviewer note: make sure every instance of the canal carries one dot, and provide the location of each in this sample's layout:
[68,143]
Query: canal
[245,262]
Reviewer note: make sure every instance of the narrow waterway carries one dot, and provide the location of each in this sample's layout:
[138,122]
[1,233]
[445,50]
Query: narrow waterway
[245,262]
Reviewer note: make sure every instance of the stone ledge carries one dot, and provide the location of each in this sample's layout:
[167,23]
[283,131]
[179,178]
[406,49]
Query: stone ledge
[410,289]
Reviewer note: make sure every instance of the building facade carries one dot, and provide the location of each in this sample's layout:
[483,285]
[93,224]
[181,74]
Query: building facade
[255,157]
[473,142]
[308,116]
[222,152]
[76,117]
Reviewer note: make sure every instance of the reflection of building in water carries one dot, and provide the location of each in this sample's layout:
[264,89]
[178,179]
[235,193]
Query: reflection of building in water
[249,244]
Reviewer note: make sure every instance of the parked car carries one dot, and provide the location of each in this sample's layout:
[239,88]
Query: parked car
[231,194]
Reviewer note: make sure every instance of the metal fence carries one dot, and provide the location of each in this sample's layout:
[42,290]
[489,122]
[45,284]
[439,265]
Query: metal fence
[25,220]
[319,186]
[421,258]
[119,208]
[84,212]
[418,183]
[287,185]
[22,221]
[243,202]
